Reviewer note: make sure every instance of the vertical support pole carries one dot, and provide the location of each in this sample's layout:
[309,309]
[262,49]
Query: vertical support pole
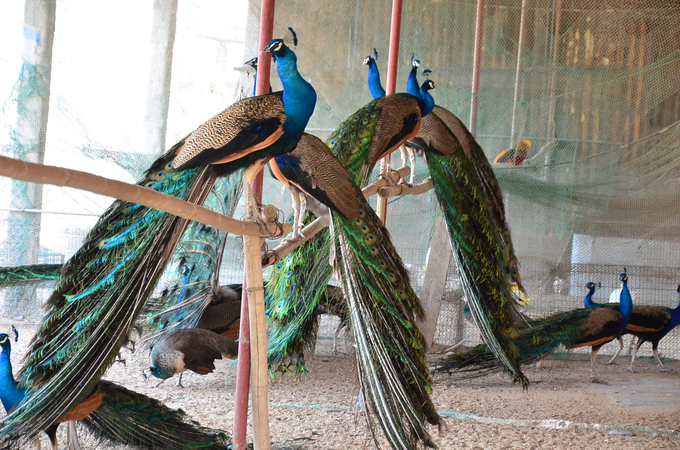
[476,64]
[31,95]
[553,75]
[392,65]
[520,47]
[163,30]
[262,441]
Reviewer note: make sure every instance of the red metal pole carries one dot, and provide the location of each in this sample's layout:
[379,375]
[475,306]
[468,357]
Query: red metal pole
[476,64]
[243,369]
[392,64]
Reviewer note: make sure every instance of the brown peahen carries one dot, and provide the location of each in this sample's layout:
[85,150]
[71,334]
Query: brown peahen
[192,349]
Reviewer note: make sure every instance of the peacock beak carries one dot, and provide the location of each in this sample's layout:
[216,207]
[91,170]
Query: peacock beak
[145,374]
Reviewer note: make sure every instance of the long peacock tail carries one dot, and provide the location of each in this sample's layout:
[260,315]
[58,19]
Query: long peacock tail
[193,270]
[534,341]
[478,252]
[135,420]
[102,290]
[293,293]
[297,282]
[383,309]
[31,274]
[489,184]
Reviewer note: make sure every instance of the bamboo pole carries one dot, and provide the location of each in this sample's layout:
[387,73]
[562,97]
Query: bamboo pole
[253,338]
[553,74]
[58,176]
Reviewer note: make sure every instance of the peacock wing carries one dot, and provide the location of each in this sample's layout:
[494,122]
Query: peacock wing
[243,128]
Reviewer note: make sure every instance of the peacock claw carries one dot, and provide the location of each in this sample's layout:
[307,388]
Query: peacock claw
[631,369]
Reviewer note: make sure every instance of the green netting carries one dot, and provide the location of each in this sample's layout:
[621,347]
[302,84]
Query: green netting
[598,190]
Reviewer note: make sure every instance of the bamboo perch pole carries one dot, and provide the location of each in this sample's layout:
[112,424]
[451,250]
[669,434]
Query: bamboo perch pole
[252,368]
[518,71]
[58,176]
[285,247]
[476,64]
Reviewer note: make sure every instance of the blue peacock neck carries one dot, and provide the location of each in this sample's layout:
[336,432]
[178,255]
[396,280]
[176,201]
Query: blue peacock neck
[299,97]
[10,395]
[626,303]
[428,101]
[412,86]
[374,85]
[675,316]
[588,301]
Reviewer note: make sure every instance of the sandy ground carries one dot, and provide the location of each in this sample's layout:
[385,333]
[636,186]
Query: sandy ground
[561,409]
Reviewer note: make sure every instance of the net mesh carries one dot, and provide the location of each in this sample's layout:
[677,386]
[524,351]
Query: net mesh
[595,93]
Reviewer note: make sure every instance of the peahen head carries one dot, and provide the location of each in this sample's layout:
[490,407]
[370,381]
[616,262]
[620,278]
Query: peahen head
[159,372]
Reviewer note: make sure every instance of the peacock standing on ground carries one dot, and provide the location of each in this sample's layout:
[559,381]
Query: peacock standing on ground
[589,303]
[119,416]
[382,305]
[592,327]
[106,283]
[472,204]
[651,323]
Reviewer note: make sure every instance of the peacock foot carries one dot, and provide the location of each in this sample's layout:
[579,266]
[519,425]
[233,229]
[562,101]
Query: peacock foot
[596,380]
[611,363]
[631,368]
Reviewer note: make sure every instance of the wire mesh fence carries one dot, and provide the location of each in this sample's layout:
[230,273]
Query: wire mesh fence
[593,87]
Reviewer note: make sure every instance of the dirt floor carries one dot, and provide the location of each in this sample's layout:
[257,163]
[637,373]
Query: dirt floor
[561,409]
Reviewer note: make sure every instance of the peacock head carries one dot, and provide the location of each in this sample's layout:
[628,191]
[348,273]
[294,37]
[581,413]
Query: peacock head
[5,342]
[591,285]
[371,59]
[278,47]
[427,85]
[414,62]
[251,62]
[623,277]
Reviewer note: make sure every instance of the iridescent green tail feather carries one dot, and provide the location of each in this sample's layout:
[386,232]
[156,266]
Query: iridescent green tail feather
[137,421]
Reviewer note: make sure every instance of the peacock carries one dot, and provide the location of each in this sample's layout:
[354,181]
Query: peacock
[298,281]
[192,349]
[252,62]
[106,283]
[651,323]
[374,84]
[472,204]
[120,416]
[589,303]
[381,303]
[584,327]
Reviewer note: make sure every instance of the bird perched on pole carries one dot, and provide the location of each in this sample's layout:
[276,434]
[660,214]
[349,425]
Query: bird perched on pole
[591,327]
[105,284]
[376,129]
[253,63]
[514,155]
[472,204]
[381,303]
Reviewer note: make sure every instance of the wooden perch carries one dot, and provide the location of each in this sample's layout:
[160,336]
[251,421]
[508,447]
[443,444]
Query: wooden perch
[42,174]
[405,189]
[287,246]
